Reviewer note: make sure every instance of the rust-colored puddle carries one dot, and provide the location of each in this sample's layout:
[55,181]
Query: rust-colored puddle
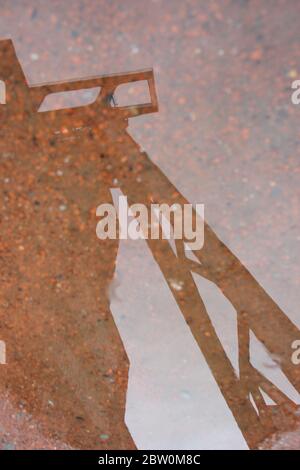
[124,344]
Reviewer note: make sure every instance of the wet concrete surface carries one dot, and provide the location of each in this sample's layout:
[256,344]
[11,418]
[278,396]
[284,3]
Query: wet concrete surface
[226,135]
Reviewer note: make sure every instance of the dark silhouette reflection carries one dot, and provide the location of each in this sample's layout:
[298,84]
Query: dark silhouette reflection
[66,361]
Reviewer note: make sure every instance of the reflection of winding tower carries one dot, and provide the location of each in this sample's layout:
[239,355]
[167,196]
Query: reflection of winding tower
[51,269]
